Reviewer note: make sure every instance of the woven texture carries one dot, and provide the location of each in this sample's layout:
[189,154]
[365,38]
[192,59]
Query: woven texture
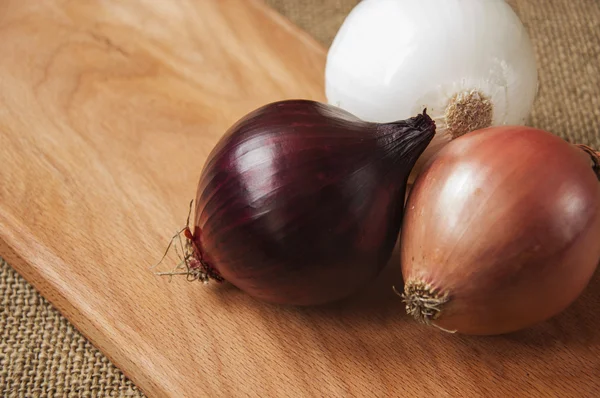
[42,355]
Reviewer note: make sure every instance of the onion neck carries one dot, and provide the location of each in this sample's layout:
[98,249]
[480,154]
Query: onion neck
[407,139]
[596,167]
[594,156]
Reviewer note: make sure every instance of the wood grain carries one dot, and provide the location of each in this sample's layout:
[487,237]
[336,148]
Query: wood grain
[107,112]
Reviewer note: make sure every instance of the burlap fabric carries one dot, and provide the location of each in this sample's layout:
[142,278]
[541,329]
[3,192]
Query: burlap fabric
[42,354]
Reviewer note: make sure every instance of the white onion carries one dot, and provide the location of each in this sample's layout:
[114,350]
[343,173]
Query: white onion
[469,62]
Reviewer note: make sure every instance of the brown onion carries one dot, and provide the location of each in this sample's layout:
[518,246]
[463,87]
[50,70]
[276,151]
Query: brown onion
[501,231]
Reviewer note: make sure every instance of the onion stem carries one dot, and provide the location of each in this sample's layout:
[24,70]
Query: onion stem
[595,156]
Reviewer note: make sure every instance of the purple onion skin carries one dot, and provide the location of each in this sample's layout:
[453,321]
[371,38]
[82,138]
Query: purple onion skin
[301,202]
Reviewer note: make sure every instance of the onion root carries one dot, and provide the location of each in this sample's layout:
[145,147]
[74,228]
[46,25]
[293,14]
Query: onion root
[468,111]
[424,302]
[191,264]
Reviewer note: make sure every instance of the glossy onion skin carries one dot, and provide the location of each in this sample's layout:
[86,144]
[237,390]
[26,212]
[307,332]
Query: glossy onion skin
[506,221]
[301,203]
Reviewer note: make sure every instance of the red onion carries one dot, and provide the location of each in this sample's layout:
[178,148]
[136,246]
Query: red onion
[501,231]
[301,202]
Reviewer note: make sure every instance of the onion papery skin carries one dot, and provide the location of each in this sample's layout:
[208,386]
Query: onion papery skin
[301,202]
[501,231]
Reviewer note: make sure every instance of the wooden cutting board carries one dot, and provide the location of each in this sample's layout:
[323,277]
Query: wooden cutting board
[107,112]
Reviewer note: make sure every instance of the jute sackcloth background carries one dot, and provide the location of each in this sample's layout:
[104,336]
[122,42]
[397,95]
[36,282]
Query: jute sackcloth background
[42,354]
